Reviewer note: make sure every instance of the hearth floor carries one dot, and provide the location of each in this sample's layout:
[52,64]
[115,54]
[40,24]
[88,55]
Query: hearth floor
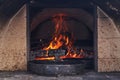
[86,76]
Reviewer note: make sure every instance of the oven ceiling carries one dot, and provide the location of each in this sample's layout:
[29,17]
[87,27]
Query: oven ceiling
[111,7]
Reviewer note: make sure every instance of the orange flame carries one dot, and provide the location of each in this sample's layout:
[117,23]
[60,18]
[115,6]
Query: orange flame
[45,58]
[60,39]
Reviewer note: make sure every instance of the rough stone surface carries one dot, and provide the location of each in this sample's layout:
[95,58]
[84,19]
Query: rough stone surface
[108,44]
[107,28]
[85,76]
[108,64]
[13,42]
[109,48]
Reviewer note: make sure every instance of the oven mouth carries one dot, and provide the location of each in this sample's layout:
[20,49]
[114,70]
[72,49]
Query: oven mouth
[63,41]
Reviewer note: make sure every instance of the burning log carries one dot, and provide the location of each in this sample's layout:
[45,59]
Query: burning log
[50,54]
[56,53]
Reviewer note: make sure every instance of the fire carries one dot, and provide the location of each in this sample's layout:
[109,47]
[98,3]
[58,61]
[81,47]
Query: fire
[45,58]
[62,39]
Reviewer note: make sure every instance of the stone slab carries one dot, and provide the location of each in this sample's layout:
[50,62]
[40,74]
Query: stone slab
[109,65]
[91,75]
[109,48]
[107,28]
[13,51]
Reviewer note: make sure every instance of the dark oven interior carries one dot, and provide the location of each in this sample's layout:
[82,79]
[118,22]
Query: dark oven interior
[61,35]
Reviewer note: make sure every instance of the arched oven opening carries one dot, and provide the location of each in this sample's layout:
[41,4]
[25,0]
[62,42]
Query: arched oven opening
[61,40]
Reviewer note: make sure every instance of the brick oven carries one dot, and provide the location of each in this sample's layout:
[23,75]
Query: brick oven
[59,37]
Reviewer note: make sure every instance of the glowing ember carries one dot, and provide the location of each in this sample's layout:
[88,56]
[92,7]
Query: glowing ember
[62,39]
[45,58]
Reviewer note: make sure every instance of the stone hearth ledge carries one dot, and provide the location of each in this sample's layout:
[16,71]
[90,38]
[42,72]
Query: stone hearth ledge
[19,75]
